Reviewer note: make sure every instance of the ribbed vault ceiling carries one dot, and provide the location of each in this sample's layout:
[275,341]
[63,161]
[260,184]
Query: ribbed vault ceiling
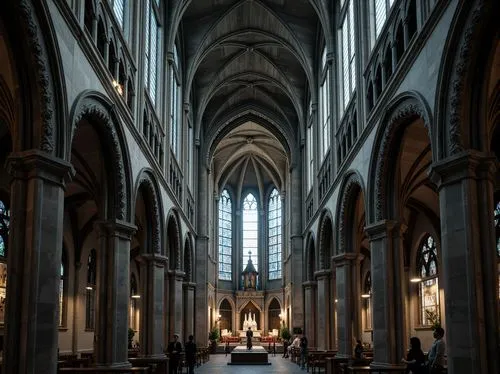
[246,56]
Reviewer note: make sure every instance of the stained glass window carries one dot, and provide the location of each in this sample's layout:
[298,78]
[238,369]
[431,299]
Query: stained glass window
[152,35]
[225,236]
[4,228]
[250,230]
[119,11]
[134,317]
[497,226]
[427,268]
[348,56]
[91,290]
[367,290]
[174,104]
[62,284]
[274,221]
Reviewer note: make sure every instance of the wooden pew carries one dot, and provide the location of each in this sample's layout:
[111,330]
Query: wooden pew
[369,369]
[131,370]
[156,365]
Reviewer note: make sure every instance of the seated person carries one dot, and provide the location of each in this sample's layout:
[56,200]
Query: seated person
[415,359]
[358,350]
[295,344]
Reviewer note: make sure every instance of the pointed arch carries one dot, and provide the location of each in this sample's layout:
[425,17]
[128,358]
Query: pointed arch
[174,240]
[310,257]
[404,108]
[350,189]
[188,258]
[147,183]
[101,113]
[326,239]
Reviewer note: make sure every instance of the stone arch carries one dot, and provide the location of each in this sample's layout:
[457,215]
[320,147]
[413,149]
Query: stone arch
[245,304]
[403,109]
[325,236]
[270,300]
[188,258]
[97,108]
[174,240]
[146,182]
[352,186]
[36,54]
[310,257]
[459,84]
[229,300]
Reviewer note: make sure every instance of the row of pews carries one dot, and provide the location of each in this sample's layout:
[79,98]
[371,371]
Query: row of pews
[70,363]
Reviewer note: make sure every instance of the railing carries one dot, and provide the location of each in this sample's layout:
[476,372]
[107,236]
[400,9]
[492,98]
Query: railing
[347,134]
[153,134]
[189,206]
[175,177]
[325,176]
[309,206]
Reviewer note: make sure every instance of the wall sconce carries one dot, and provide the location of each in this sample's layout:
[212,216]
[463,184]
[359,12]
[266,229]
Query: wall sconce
[89,288]
[336,301]
[219,318]
[135,296]
[366,295]
[415,280]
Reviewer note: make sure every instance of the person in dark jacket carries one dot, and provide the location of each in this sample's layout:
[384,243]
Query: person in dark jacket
[415,359]
[190,350]
[174,350]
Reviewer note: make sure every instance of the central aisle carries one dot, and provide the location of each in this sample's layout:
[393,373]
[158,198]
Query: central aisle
[218,365]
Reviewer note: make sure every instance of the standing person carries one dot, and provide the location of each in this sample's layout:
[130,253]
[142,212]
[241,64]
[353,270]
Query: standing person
[174,350]
[358,350]
[415,359]
[249,338]
[190,349]
[303,352]
[285,348]
[436,354]
[226,349]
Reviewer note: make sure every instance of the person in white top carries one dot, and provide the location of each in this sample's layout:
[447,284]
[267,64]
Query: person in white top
[295,344]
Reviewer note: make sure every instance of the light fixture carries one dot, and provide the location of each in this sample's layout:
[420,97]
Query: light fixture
[118,87]
[415,279]
[135,296]
[88,288]
[366,295]
[336,300]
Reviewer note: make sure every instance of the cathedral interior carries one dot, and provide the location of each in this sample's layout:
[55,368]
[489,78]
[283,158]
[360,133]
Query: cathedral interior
[179,166]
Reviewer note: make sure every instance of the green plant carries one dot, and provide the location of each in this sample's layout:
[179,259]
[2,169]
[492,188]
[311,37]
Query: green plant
[285,333]
[433,318]
[214,334]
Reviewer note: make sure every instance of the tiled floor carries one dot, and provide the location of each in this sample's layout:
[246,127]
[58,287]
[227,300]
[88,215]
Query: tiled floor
[218,365]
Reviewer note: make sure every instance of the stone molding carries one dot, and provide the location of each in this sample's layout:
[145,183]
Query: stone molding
[344,258]
[322,274]
[404,110]
[189,285]
[457,83]
[155,216]
[92,109]
[325,229]
[155,258]
[39,164]
[178,275]
[44,84]
[309,284]
[348,192]
[469,164]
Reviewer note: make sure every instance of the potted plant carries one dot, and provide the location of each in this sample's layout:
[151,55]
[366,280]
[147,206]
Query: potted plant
[285,333]
[213,336]
[131,334]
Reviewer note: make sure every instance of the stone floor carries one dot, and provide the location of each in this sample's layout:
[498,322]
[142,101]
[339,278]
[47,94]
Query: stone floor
[218,365]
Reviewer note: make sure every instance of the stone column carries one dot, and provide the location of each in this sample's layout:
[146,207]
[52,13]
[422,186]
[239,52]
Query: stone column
[113,278]
[152,283]
[469,272]
[310,312]
[176,303]
[394,56]
[201,259]
[296,247]
[344,305]
[387,293]
[323,309]
[34,262]
[189,327]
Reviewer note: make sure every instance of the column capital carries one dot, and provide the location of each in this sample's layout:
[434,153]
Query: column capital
[380,229]
[153,258]
[309,284]
[115,227]
[189,285]
[469,164]
[177,274]
[37,164]
[344,258]
[322,274]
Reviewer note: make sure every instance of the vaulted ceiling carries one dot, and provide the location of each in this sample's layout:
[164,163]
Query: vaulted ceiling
[250,63]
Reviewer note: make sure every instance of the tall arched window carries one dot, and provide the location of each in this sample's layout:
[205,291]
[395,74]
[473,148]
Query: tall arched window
[119,7]
[497,237]
[250,230]
[90,288]
[348,55]
[134,311]
[324,104]
[175,88]
[225,236]
[62,289]
[4,241]
[310,157]
[274,220]
[152,36]
[427,268]
[379,11]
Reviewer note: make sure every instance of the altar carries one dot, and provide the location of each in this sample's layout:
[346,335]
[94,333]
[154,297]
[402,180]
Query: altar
[243,356]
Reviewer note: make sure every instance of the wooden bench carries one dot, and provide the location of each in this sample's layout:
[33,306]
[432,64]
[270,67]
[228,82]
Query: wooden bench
[369,369]
[157,365]
[105,370]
